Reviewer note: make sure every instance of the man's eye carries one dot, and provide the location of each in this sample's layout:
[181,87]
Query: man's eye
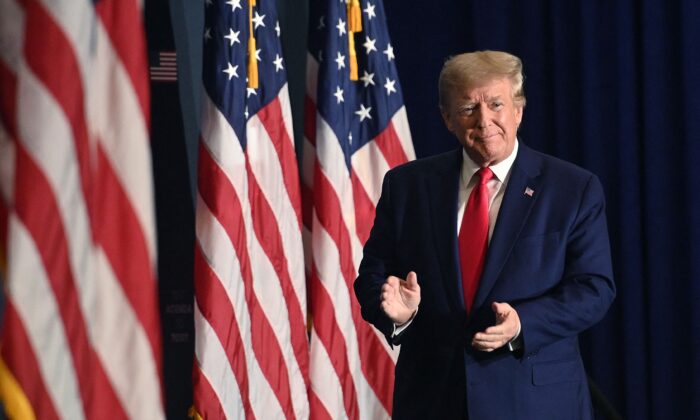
[497,105]
[467,110]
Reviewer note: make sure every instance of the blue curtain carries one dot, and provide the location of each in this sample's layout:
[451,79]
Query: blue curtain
[612,86]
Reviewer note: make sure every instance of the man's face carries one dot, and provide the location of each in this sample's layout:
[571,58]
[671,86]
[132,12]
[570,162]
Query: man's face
[485,120]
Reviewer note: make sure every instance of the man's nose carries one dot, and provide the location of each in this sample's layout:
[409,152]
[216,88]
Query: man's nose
[484,118]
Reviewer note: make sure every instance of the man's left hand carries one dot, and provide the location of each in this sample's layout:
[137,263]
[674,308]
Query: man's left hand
[497,336]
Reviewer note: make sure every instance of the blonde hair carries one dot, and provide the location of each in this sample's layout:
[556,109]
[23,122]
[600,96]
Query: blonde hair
[471,69]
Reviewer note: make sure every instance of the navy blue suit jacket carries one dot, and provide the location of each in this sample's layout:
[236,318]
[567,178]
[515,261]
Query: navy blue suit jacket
[549,257]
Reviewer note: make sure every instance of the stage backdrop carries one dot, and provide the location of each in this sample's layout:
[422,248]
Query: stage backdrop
[611,86]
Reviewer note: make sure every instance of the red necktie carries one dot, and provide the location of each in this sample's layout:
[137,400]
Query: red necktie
[474,236]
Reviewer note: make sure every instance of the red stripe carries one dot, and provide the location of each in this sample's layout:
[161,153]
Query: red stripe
[389,143]
[216,308]
[330,335]
[364,209]
[205,400]
[318,410]
[310,120]
[221,198]
[376,363]
[267,232]
[124,25]
[272,120]
[18,354]
[117,230]
[37,208]
[55,64]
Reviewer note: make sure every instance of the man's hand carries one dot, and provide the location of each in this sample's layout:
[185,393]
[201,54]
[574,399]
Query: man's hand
[496,336]
[400,298]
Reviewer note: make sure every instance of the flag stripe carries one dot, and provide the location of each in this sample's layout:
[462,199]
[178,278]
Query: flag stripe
[122,22]
[326,395]
[325,326]
[125,247]
[45,226]
[221,197]
[376,364]
[388,142]
[210,294]
[25,371]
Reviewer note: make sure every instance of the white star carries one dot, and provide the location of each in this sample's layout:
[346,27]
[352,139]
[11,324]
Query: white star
[250,91]
[321,23]
[207,34]
[340,60]
[232,71]
[369,44]
[341,27]
[370,11]
[278,63]
[339,94]
[277,28]
[246,112]
[368,78]
[389,86]
[232,37]
[389,51]
[364,112]
[257,54]
[258,20]
[350,138]
[235,4]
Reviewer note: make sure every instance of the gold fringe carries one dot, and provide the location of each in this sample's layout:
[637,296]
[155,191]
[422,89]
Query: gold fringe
[354,16]
[16,403]
[252,61]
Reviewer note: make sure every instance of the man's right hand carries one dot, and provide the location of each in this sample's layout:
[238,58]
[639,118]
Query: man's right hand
[400,298]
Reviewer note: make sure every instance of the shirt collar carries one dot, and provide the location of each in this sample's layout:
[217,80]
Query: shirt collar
[500,170]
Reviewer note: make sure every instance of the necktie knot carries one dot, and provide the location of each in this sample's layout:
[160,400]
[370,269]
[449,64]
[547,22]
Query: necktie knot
[485,174]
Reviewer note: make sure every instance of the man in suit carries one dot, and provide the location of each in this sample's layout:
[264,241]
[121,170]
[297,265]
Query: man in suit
[486,262]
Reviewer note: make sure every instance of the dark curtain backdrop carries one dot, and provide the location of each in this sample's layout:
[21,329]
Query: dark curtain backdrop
[612,86]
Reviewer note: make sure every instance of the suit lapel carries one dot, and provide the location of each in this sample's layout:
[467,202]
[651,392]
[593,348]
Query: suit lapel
[512,215]
[442,186]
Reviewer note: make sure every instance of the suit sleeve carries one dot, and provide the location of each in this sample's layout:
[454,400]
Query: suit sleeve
[586,289]
[377,263]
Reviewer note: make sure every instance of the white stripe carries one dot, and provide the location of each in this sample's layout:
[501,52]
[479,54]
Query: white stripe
[268,173]
[222,258]
[400,121]
[266,166]
[327,262]
[30,291]
[370,166]
[113,112]
[116,120]
[324,380]
[215,367]
[123,347]
[332,161]
[52,147]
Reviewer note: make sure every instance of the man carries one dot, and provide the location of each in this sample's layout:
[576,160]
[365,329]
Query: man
[486,262]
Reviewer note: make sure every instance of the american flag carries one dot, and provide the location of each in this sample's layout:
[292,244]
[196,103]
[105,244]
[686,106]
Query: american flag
[81,332]
[251,345]
[354,132]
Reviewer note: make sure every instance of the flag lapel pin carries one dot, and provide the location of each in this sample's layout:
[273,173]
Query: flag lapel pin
[529,191]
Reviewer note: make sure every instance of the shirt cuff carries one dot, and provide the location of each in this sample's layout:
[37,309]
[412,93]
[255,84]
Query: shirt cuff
[516,343]
[399,328]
